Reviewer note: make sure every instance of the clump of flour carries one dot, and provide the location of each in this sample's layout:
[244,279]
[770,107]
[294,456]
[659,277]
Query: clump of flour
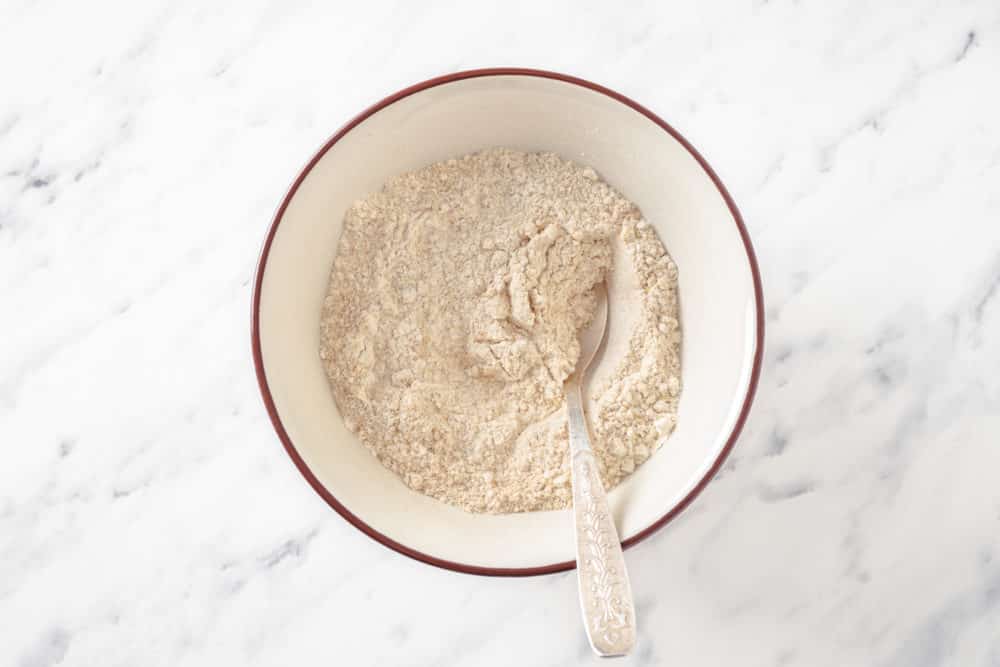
[451,321]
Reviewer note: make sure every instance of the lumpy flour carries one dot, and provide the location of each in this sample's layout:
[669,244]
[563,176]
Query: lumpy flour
[451,322]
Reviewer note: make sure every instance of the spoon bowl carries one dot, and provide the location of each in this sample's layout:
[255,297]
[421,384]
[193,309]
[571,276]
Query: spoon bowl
[594,335]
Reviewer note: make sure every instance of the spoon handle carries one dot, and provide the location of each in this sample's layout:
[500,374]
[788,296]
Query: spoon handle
[605,593]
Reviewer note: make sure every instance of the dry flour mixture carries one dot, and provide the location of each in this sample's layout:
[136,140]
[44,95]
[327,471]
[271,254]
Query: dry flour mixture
[451,322]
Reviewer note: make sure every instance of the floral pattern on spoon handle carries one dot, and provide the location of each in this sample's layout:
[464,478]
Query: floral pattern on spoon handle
[605,593]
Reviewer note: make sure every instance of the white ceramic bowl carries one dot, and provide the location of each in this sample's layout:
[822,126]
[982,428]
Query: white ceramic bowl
[637,153]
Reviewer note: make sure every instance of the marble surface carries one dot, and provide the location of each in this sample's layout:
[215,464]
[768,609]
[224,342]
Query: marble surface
[148,515]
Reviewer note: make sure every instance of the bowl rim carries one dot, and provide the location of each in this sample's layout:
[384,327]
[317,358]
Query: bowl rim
[266,391]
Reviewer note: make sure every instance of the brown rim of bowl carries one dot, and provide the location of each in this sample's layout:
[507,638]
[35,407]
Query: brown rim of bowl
[329,497]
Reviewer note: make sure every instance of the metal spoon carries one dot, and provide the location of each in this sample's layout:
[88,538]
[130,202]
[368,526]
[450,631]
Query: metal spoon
[605,594]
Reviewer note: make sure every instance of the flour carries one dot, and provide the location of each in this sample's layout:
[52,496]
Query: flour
[451,321]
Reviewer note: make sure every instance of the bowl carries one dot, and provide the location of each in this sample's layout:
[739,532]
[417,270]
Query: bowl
[637,153]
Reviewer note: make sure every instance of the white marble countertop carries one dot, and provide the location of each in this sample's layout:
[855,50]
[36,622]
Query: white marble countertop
[148,514]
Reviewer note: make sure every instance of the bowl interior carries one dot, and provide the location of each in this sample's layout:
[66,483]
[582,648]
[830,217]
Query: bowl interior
[638,157]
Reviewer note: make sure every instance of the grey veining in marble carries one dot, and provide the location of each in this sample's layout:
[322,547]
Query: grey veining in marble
[148,515]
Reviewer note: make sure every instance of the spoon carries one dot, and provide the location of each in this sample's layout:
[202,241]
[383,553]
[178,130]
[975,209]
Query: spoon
[605,593]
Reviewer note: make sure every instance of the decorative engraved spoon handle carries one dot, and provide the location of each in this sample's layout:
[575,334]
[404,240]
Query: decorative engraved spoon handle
[605,594]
